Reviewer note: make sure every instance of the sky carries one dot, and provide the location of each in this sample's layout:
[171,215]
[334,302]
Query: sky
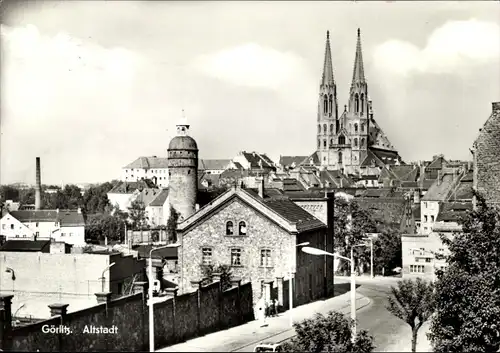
[90,86]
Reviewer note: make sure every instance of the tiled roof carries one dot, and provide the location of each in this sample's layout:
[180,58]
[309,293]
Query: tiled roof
[371,159]
[453,211]
[287,161]
[305,194]
[405,172]
[387,211]
[313,157]
[294,214]
[160,199]
[290,184]
[237,165]
[469,177]
[257,160]
[66,218]
[464,191]
[269,193]
[440,191]
[212,179]
[148,163]
[416,211]
[438,163]
[204,197]
[26,246]
[129,187]
[386,156]
[147,195]
[213,164]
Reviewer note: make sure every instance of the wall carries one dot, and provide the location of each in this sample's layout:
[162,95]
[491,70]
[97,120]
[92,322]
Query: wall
[126,266]
[317,208]
[20,231]
[71,235]
[487,157]
[261,234]
[176,319]
[428,209]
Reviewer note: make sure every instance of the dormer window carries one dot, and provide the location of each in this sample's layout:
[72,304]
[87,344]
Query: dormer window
[229,228]
[242,228]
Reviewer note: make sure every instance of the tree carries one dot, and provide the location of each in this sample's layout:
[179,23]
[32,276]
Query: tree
[137,214]
[330,333]
[387,253]
[467,292]
[8,192]
[102,226]
[95,199]
[225,275]
[413,302]
[172,225]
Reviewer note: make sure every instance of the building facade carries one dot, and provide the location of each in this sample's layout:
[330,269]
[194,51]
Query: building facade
[153,168]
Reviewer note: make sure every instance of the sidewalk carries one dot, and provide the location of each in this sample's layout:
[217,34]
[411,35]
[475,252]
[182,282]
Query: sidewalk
[243,338]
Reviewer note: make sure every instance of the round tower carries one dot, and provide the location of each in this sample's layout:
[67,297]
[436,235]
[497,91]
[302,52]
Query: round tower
[183,171]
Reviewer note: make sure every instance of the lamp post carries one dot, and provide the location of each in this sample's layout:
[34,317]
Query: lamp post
[370,237]
[290,287]
[433,261]
[103,289]
[11,271]
[150,296]
[315,251]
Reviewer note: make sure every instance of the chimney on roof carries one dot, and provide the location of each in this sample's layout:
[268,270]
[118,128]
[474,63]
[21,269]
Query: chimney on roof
[260,186]
[38,186]
[495,107]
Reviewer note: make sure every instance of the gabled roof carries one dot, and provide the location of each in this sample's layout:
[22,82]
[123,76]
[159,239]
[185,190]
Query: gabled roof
[287,161]
[26,246]
[147,195]
[387,157]
[212,179]
[67,218]
[290,184]
[313,157]
[405,172]
[440,189]
[160,198]
[257,160]
[148,163]
[129,187]
[283,212]
[453,211]
[237,165]
[438,163]
[213,164]
[371,159]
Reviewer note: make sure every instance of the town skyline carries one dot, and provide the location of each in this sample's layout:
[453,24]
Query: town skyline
[431,82]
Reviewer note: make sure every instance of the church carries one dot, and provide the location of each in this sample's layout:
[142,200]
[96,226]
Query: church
[351,142]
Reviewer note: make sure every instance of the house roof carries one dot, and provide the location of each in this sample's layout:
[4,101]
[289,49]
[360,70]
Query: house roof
[384,210]
[257,160]
[464,191]
[212,179]
[416,211]
[147,195]
[438,163]
[66,218]
[283,212]
[269,193]
[286,161]
[237,165]
[26,246]
[290,184]
[148,163]
[160,198]
[213,164]
[440,189]
[170,253]
[405,172]
[453,211]
[129,187]
[388,157]
[313,157]
[371,159]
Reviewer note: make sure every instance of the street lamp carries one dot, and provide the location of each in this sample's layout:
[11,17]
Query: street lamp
[371,236]
[290,287]
[102,277]
[433,261]
[11,271]
[315,251]
[150,296]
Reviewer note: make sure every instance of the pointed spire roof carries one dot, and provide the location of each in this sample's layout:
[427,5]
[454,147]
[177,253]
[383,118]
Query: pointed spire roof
[358,74]
[327,78]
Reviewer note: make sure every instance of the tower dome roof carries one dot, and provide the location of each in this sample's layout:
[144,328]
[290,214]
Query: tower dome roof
[183,143]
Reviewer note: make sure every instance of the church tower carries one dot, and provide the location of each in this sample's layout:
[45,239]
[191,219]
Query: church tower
[327,108]
[357,117]
[183,171]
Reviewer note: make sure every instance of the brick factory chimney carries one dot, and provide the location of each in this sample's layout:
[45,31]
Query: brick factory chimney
[38,186]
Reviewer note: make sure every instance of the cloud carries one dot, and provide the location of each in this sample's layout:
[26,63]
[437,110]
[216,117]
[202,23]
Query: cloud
[453,46]
[251,65]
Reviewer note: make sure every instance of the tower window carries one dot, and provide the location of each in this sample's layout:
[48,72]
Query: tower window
[363,127]
[356,128]
[189,171]
[324,143]
[331,142]
[340,157]
[325,104]
[341,140]
[319,143]
[229,228]
[324,128]
[337,125]
[331,128]
[356,103]
[362,103]
[355,142]
[362,142]
[330,104]
[319,129]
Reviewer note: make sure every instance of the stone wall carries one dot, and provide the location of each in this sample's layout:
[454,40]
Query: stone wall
[176,319]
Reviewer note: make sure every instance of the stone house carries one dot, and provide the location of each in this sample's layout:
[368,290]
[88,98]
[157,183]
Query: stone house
[257,236]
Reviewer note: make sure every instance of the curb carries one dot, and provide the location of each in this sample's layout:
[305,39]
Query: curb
[292,331]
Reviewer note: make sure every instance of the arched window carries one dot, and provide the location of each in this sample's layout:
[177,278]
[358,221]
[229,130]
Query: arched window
[341,140]
[355,142]
[356,128]
[324,128]
[331,128]
[356,103]
[362,142]
[331,142]
[324,143]
[340,157]
[319,129]
[229,228]
[337,125]
[319,143]
[242,228]
[363,127]
[362,103]
[330,104]
[325,104]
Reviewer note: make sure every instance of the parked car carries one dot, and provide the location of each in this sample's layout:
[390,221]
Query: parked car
[268,347]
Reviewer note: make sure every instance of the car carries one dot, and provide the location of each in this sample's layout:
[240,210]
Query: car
[268,347]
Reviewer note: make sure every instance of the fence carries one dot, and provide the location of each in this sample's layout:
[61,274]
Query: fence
[178,318]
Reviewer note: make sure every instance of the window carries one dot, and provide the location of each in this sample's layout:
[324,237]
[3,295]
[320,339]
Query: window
[363,127]
[356,103]
[265,258]
[355,127]
[324,143]
[362,103]
[432,218]
[63,234]
[330,105]
[37,234]
[355,142]
[120,288]
[229,228]
[24,235]
[331,128]
[340,157]
[362,144]
[17,235]
[324,128]
[70,234]
[36,224]
[417,268]
[235,257]
[319,143]
[11,226]
[425,218]
[325,104]
[425,228]
[242,228]
[319,129]
[427,260]
[206,256]
[341,140]
[331,142]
